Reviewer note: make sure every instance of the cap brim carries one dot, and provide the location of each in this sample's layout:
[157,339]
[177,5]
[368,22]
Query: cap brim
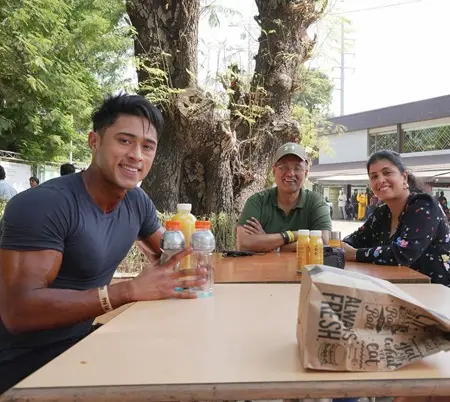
[291,153]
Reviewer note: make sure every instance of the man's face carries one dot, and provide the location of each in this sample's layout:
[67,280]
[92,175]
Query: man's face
[290,172]
[125,151]
[33,183]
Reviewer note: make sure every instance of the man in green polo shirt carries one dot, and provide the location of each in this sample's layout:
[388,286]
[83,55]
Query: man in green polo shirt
[270,219]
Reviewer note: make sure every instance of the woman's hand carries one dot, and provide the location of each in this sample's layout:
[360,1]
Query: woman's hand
[350,252]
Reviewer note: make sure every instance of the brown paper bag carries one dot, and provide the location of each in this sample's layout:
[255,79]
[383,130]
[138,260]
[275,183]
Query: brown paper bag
[353,322]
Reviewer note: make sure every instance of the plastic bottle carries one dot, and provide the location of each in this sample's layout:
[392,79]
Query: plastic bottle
[302,249]
[203,244]
[315,247]
[335,240]
[187,221]
[172,242]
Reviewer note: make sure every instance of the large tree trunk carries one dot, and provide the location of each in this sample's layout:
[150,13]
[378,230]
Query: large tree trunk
[211,160]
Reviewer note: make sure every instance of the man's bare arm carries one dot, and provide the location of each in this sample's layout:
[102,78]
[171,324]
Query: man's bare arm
[257,242]
[291,247]
[28,304]
[150,246]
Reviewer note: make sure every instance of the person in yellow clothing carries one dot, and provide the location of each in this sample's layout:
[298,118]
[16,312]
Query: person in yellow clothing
[362,203]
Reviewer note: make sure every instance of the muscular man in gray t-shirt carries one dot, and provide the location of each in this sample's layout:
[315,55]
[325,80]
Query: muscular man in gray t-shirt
[63,240]
[64,218]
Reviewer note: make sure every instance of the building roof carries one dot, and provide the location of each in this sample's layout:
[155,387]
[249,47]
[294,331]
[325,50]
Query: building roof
[427,109]
[423,166]
[415,163]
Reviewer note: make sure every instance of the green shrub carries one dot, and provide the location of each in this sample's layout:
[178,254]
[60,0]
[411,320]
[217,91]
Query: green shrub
[224,228]
[222,225]
[3,203]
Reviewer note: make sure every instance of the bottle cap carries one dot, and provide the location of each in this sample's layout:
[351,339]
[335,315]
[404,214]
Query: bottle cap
[202,225]
[173,225]
[184,207]
[335,235]
[315,233]
[303,232]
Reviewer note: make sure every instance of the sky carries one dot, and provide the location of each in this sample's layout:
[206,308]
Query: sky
[396,52]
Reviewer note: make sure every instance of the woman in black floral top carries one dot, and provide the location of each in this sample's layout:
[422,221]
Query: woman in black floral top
[409,229]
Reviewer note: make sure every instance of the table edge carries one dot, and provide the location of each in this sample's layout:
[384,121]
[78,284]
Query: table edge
[234,391]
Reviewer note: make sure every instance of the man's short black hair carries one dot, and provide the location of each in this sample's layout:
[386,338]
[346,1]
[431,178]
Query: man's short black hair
[135,105]
[35,179]
[66,168]
[2,173]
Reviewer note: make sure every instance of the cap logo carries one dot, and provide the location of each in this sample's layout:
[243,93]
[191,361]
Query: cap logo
[287,147]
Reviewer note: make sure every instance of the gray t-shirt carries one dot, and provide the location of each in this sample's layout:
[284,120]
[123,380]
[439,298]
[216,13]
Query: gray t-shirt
[60,215]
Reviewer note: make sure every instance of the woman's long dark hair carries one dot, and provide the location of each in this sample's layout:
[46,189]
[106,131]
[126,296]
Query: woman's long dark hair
[414,184]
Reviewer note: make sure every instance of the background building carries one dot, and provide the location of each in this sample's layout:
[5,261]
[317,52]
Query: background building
[419,131]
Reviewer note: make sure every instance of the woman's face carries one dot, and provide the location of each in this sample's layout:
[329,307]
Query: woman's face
[386,180]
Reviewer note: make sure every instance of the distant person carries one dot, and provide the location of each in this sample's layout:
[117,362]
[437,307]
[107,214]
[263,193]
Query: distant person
[374,201]
[34,181]
[271,218]
[362,202]
[342,199]
[354,199]
[330,204]
[349,209]
[66,169]
[6,190]
[442,199]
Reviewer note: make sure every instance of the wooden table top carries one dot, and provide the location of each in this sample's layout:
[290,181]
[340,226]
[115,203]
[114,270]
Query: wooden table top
[282,268]
[238,345]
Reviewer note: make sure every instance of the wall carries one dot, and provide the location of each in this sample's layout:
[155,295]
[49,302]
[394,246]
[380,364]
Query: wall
[47,172]
[348,147]
[17,174]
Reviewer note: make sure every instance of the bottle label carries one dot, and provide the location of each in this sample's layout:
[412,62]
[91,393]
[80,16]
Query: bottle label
[316,254]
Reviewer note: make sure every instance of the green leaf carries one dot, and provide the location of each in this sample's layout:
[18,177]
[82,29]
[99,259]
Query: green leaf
[58,59]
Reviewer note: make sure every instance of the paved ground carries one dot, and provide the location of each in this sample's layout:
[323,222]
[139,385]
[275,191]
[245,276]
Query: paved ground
[346,227]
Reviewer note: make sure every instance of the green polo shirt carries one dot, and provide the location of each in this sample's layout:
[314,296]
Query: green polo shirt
[311,212]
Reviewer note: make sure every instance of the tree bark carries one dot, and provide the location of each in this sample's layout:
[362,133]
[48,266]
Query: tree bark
[211,160]
[167,34]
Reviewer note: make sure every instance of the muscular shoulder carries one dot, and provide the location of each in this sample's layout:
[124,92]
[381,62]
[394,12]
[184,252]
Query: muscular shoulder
[143,208]
[40,218]
[140,201]
[41,202]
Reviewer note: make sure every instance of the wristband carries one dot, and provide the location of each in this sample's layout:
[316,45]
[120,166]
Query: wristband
[285,237]
[291,236]
[104,299]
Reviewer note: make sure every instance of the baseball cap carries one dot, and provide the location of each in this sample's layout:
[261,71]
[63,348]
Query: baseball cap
[290,148]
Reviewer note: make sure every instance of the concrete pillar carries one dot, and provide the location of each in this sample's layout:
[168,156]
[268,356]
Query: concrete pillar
[333,197]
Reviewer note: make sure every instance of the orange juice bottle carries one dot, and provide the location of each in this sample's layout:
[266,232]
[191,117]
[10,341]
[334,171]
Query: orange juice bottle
[302,249]
[187,221]
[335,240]
[315,247]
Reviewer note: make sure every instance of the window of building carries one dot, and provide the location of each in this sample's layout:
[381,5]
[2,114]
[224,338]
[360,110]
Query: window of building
[383,140]
[426,139]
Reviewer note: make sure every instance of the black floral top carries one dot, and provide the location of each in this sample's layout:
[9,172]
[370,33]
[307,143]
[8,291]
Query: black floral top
[421,240]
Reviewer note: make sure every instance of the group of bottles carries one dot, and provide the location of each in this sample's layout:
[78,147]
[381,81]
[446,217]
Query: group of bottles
[310,246]
[184,230]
